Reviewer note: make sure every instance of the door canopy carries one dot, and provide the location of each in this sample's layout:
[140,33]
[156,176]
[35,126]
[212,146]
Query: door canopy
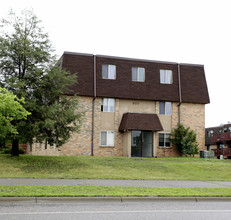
[140,121]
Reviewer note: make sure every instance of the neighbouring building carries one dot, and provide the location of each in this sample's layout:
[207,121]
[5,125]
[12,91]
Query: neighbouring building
[132,105]
[218,139]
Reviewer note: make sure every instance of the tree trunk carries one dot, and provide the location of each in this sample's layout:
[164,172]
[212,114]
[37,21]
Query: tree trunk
[15,148]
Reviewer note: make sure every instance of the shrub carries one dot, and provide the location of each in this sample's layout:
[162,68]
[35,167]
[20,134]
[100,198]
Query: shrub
[7,150]
[185,140]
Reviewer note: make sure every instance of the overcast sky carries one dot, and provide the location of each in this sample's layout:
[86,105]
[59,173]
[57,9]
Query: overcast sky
[183,31]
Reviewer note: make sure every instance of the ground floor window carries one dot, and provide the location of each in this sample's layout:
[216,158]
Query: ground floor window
[107,138]
[164,139]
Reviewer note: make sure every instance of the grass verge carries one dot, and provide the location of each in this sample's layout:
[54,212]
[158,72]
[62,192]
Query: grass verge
[110,191]
[175,168]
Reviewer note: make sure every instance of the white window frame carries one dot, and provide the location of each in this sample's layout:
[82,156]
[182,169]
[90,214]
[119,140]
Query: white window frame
[110,74]
[210,133]
[164,75]
[165,134]
[165,108]
[108,102]
[109,142]
[138,69]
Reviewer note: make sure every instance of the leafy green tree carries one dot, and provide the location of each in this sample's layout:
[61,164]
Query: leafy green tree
[185,140]
[29,69]
[11,110]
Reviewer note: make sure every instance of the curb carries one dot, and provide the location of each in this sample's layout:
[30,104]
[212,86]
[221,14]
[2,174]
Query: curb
[44,200]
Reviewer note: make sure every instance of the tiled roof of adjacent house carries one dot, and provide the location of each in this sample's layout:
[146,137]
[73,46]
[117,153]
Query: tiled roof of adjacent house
[192,77]
[215,131]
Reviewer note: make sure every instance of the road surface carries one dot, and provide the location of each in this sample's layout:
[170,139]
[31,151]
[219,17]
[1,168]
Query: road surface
[113,210]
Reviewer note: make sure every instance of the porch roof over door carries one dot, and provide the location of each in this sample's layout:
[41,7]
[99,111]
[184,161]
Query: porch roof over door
[140,121]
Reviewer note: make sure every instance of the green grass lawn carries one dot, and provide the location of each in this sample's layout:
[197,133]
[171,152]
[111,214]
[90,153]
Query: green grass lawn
[174,168]
[112,191]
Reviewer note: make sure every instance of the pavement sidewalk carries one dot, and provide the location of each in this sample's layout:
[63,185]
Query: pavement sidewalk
[110,182]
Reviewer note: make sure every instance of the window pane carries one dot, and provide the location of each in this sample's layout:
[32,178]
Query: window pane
[161,140]
[105,105]
[167,140]
[110,138]
[104,71]
[162,73]
[136,138]
[168,108]
[141,74]
[111,105]
[168,76]
[162,108]
[134,73]
[111,71]
[103,138]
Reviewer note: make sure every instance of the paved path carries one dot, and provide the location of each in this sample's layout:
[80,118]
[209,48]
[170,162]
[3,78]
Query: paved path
[106,182]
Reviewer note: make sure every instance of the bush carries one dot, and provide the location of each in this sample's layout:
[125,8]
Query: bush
[185,140]
[7,150]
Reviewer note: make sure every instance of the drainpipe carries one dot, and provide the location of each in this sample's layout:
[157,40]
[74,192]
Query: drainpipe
[180,99]
[93,105]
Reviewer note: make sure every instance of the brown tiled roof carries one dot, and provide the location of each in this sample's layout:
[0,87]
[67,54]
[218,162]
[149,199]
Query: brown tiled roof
[208,140]
[140,121]
[193,82]
[82,65]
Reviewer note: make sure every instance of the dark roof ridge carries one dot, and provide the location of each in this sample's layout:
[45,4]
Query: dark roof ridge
[191,64]
[220,126]
[133,59]
[136,59]
[76,53]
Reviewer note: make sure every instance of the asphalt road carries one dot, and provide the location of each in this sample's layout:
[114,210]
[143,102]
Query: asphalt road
[108,182]
[159,209]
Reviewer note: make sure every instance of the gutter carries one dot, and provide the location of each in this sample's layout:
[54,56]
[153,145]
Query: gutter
[93,105]
[180,98]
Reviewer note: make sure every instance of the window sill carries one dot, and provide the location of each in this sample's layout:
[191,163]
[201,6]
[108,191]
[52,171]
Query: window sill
[109,79]
[165,147]
[107,112]
[102,146]
[138,81]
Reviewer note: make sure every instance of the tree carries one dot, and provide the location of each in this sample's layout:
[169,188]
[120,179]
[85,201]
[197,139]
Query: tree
[185,140]
[11,110]
[29,70]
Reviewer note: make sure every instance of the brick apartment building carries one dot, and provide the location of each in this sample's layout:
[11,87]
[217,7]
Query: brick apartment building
[132,105]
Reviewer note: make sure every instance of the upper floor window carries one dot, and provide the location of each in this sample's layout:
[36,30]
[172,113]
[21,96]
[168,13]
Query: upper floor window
[164,140]
[107,138]
[108,105]
[166,76]
[210,133]
[108,71]
[138,74]
[165,108]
